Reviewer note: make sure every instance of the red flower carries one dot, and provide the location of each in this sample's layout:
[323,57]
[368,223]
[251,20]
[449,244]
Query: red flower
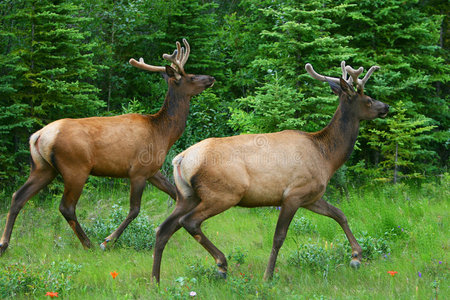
[52,294]
[392,273]
[114,274]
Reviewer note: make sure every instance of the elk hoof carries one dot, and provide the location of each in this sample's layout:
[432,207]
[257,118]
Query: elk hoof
[355,264]
[3,247]
[103,245]
[222,274]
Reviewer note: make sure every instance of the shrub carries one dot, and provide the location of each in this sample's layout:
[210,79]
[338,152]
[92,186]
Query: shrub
[301,226]
[19,279]
[317,257]
[201,272]
[140,234]
[373,247]
[237,256]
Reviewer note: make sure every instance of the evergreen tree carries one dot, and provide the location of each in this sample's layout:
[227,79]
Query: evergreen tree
[404,41]
[299,33]
[197,22]
[401,144]
[13,115]
[125,29]
[47,72]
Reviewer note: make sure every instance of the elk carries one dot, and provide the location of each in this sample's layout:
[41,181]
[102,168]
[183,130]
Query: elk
[130,146]
[290,169]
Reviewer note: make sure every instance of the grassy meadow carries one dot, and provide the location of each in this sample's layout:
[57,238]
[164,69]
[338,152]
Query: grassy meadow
[402,228]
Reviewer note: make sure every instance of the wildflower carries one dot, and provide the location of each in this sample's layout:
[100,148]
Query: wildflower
[52,294]
[440,262]
[392,273]
[419,274]
[114,274]
[192,294]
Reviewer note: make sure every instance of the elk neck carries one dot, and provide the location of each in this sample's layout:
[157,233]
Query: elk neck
[172,117]
[337,140]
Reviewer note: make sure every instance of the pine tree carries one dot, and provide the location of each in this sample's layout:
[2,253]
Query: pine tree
[300,32]
[56,60]
[46,75]
[197,22]
[125,29]
[401,38]
[401,144]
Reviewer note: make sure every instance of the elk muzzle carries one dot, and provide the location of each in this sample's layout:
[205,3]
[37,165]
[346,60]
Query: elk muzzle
[384,110]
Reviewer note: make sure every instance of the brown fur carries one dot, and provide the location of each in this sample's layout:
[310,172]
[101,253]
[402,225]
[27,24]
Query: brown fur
[128,146]
[290,169]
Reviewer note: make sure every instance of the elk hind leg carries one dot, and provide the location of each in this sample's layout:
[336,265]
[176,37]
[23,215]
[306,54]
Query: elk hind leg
[326,209]
[168,228]
[73,186]
[137,186]
[39,178]
[192,222]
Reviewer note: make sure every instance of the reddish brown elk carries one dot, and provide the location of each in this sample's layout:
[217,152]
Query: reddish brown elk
[130,146]
[290,169]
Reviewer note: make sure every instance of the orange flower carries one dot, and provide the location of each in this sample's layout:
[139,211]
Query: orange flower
[392,273]
[114,274]
[52,294]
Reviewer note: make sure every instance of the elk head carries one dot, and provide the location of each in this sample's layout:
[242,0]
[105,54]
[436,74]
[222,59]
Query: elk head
[362,106]
[187,84]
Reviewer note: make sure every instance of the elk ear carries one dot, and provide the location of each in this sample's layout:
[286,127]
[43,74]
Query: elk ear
[346,88]
[334,87]
[172,73]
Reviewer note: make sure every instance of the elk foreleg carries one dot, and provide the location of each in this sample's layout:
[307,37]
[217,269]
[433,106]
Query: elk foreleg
[324,208]
[284,219]
[137,186]
[73,187]
[39,178]
[163,184]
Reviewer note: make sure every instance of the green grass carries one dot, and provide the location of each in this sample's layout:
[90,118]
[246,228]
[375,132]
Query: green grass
[403,228]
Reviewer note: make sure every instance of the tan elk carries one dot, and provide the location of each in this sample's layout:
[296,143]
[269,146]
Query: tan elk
[130,146]
[290,169]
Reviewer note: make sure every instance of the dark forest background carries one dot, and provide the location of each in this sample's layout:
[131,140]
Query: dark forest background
[69,59]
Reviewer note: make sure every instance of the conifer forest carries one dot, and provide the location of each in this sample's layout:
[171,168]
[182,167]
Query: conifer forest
[69,59]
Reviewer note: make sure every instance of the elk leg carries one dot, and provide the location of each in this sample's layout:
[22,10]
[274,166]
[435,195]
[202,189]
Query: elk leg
[137,186]
[168,228]
[284,219]
[39,178]
[192,222]
[326,209]
[163,184]
[72,191]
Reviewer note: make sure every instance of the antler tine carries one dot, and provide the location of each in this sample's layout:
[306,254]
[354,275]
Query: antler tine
[344,72]
[186,55]
[177,58]
[317,76]
[179,51]
[354,74]
[368,74]
[142,65]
